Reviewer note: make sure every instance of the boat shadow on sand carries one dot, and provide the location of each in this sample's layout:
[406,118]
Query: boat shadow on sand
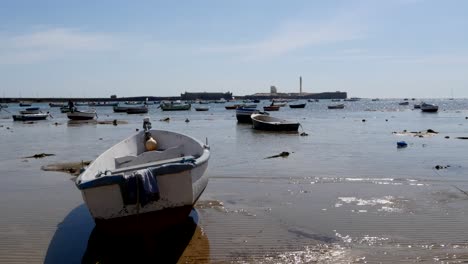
[78,240]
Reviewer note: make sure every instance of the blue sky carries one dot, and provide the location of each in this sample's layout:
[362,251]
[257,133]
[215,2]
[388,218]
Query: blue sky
[398,48]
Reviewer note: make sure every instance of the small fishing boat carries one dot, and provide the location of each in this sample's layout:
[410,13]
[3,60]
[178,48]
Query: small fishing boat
[243,114]
[56,105]
[81,115]
[24,104]
[271,108]
[120,109]
[232,107]
[269,123]
[137,109]
[175,106]
[404,103]
[338,106]
[297,105]
[336,100]
[431,108]
[202,108]
[313,100]
[30,110]
[417,106]
[65,109]
[149,181]
[30,117]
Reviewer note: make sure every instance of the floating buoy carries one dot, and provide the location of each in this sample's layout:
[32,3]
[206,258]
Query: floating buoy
[151,144]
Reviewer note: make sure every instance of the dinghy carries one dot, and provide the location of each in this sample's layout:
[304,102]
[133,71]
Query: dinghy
[30,117]
[269,123]
[81,115]
[148,181]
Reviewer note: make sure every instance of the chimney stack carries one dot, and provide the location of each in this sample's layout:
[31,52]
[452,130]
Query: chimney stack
[300,84]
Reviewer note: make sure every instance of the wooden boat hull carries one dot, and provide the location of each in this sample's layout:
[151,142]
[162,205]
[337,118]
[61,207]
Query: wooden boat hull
[175,107]
[180,183]
[137,110]
[336,106]
[78,115]
[297,105]
[264,122]
[271,108]
[243,115]
[201,108]
[30,117]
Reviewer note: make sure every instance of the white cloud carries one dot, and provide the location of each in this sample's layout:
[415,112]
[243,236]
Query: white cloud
[50,44]
[292,36]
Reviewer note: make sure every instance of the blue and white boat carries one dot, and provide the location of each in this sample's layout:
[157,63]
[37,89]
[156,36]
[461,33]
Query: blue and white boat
[135,186]
[243,114]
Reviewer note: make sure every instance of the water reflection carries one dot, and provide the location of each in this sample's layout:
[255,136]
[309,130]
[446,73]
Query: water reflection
[78,240]
[183,243]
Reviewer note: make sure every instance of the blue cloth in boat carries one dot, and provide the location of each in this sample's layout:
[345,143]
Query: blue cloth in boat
[142,186]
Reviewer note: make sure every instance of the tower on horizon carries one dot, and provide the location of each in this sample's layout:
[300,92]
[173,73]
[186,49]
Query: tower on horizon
[300,84]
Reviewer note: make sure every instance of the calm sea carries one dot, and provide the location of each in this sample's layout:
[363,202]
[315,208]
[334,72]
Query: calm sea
[345,194]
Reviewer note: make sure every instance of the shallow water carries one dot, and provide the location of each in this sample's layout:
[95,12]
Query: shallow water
[344,194]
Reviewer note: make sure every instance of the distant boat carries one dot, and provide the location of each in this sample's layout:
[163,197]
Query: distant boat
[271,108]
[202,108]
[221,101]
[231,107]
[81,115]
[24,104]
[375,99]
[56,104]
[137,109]
[297,105]
[120,109]
[417,106]
[432,108]
[336,100]
[256,101]
[269,123]
[64,109]
[102,104]
[132,189]
[243,114]
[30,117]
[404,103]
[175,106]
[313,100]
[338,106]
[30,110]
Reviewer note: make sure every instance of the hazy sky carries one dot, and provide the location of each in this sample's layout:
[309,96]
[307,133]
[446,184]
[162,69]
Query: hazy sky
[374,48]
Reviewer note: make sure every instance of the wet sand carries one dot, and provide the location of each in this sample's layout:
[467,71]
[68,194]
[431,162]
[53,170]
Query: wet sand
[345,194]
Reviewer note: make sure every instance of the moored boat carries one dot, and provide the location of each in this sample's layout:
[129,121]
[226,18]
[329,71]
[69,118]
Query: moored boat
[202,108]
[81,115]
[271,108]
[57,104]
[175,106]
[137,185]
[30,110]
[30,117]
[137,109]
[269,123]
[243,114]
[431,108]
[297,105]
[338,106]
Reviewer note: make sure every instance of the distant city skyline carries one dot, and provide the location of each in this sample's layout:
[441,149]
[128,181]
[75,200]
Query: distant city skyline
[371,49]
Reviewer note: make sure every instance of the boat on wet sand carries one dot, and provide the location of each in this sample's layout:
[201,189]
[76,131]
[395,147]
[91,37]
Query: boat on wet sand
[202,108]
[30,117]
[269,123]
[137,109]
[132,188]
[81,115]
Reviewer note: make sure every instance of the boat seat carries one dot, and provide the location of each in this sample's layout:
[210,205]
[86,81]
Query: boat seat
[154,164]
[149,156]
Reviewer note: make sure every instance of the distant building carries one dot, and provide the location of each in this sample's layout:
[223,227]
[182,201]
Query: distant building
[113,96]
[205,96]
[273,89]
